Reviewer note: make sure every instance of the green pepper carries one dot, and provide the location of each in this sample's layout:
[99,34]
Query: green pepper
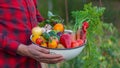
[46,36]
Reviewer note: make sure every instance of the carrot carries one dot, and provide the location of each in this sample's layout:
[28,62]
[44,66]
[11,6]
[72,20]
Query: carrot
[73,36]
[78,34]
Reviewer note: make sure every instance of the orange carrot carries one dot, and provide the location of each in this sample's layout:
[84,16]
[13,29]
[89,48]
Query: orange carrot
[73,35]
[78,34]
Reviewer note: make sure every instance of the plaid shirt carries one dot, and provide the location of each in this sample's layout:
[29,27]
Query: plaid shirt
[17,17]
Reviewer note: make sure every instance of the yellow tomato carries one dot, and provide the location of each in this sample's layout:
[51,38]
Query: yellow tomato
[43,44]
[59,27]
[52,43]
[60,46]
[36,31]
[34,37]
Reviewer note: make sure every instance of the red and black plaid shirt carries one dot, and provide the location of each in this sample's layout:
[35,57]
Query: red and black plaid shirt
[17,17]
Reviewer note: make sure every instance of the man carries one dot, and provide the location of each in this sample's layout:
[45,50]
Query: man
[17,18]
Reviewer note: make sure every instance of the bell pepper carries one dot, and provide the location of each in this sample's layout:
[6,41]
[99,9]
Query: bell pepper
[46,36]
[65,40]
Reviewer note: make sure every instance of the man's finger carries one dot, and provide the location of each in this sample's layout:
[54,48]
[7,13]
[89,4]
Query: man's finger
[51,56]
[52,61]
[43,50]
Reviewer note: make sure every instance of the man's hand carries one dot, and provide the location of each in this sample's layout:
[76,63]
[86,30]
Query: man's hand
[39,54]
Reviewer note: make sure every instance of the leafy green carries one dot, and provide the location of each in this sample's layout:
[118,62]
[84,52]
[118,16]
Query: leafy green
[53,33]
[52,19]
[90,14]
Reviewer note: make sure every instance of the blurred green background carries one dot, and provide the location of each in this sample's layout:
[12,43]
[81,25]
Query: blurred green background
[65,7]
[105,50]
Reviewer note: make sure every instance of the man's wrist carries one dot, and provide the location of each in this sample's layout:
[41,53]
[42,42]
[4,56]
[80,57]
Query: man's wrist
[22,50]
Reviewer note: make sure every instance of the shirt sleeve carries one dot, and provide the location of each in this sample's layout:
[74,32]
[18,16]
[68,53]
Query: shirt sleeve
[8,45]
[38,15]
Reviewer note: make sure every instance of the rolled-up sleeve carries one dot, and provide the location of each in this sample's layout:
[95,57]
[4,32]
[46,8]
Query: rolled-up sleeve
[8,45]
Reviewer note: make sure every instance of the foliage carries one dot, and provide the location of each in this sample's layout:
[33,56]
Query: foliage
[90,14]
[52,20]
[102,49]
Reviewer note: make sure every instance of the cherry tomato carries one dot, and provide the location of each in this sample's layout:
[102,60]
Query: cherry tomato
[52,43]
[34,37]
[80,42]
[39,41]
[74,44]
[43,44]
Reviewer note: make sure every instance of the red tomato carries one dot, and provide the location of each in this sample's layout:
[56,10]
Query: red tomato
[80,42]
[74,44]
[39,41]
